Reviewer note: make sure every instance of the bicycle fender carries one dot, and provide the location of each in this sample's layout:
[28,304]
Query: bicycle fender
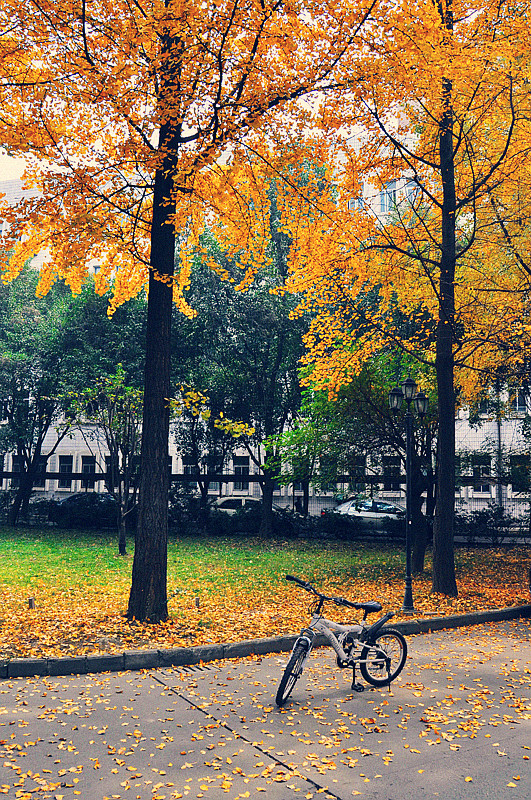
[370,632]
[305,638]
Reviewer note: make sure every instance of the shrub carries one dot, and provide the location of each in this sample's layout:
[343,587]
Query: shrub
[486,525]
[337,526]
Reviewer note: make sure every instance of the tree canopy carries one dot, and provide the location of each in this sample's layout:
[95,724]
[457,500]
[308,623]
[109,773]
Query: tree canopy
[128,115]
[98,95]
[435,122]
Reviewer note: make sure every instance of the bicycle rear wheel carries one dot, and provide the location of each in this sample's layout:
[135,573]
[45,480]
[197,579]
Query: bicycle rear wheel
[384,658]
[291,674]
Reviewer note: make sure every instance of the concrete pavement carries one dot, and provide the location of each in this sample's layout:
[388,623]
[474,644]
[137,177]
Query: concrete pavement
[457,723]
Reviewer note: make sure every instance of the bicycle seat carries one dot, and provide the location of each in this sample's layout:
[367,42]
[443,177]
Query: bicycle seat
[369,607]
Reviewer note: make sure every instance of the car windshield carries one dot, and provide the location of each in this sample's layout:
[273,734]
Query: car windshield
[233,502]
[387,507]
[345,506]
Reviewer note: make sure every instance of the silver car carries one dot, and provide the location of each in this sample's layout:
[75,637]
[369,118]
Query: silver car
[370,510]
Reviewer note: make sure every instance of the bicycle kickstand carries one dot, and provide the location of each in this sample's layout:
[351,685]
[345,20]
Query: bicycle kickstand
[356,687]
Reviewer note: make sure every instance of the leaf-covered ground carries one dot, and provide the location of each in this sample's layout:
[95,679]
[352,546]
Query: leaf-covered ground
[226,589]
[456,723]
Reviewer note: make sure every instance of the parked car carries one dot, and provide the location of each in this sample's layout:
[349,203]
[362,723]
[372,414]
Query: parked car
[370,511]
[85,510]
[233,504]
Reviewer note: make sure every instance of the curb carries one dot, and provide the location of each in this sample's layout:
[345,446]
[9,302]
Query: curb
[460,620]
[188,656]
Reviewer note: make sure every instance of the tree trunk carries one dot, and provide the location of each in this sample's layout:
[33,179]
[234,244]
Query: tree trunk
[443,530]
[443,527]
[420,540]
[122,535]
[148,596]
[204,508]
[14,509]
[305,496]
[266,523]
[20,504]
[419,521]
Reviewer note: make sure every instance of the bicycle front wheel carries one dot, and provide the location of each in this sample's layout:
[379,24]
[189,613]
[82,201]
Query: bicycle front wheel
[291,674]
[384,658]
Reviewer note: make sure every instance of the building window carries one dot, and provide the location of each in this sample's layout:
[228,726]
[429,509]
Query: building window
[328,472]
[388,197]
[241,467]
[481,465]
[411,192]
[66,464]
[486,404]
[518,399]
[4,409]
[190,468]
[519,470]
[17,466]
[357,468]
[40,478]
[391,467]
[356,203]
[112,475]
[88,467]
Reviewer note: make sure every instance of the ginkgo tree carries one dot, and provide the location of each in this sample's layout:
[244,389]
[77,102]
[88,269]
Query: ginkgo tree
[122,110]
[434,123]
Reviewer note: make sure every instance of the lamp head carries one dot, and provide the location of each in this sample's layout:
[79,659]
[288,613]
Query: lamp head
[395,398]
[409,388]
[421,404]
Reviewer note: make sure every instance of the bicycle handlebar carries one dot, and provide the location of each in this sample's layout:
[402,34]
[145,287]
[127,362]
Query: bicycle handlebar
[304,584]
[339,601]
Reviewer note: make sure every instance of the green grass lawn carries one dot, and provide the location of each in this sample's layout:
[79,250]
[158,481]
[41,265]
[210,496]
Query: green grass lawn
[81,586]
[61,558]
[79,557]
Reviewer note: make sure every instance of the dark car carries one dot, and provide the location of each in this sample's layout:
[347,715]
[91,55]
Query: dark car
[85,510]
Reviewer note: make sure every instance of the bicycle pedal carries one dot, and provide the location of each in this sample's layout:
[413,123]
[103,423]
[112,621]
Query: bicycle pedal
[357,687]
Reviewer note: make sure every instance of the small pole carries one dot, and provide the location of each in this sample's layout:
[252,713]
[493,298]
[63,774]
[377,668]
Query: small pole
[408,392]
[407,607]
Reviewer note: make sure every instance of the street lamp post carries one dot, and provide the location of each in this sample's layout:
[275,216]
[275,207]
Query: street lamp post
[408,392]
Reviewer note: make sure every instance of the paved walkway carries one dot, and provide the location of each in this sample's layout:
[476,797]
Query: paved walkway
[456,724]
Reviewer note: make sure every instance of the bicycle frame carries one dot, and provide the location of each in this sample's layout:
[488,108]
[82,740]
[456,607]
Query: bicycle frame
[326,626]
